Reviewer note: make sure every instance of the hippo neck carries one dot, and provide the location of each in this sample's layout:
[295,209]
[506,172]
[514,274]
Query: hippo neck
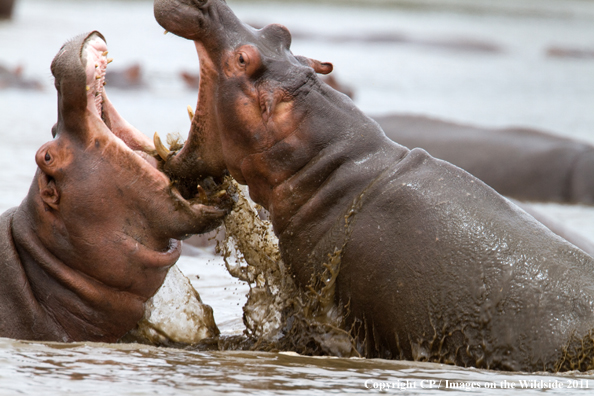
[85,308]
[336,163]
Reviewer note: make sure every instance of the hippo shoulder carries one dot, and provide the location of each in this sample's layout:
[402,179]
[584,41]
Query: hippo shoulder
[428,198]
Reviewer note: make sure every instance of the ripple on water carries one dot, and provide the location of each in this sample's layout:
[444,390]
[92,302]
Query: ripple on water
[131,369]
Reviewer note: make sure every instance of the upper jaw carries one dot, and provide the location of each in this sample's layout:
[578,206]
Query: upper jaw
[208,21]
[183,18]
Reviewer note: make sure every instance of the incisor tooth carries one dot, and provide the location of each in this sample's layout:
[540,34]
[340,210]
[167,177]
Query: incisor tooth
[190,112]
[88,88]
[105,53]
[160,147]
[109,60]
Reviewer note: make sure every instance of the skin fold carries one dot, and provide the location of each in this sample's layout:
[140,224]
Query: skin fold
[434,264]
[98,230]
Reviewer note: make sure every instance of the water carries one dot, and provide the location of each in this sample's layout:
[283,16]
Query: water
[101,369]
[517,85]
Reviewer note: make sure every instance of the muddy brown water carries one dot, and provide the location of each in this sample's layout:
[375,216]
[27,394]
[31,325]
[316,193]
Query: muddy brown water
[519,85]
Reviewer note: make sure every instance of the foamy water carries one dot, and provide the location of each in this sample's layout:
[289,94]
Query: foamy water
[519,85]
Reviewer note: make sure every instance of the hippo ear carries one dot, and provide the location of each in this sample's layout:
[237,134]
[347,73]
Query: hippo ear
[319,67]
[47,190]
[46,176]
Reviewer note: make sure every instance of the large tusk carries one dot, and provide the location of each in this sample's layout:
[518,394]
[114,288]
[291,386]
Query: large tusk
[160,147]
[191,112]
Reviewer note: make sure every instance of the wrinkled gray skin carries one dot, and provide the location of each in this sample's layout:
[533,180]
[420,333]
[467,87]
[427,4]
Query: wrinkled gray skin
[436,265]
[521,163]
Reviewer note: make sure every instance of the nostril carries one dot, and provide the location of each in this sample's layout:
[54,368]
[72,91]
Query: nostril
[48,158]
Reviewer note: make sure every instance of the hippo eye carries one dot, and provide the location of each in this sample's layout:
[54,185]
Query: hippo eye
[47,157]
[243,59]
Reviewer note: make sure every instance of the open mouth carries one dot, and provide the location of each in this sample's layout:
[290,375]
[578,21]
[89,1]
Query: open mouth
[154,153]
[94,52]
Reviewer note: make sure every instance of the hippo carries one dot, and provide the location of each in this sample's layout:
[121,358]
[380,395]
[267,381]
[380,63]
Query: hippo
[6,8]
[98,231]
[525,164]
[127,78]
[14,79]
[434,264]
[569,52]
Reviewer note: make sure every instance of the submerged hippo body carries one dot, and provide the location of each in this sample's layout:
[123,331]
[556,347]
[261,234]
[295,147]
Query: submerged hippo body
[435,265]
[14,79]
[93,239]
[521,163]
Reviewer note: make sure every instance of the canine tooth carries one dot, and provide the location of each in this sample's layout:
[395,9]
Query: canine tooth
[165,32]
[220,194]
[160,147]
[191,112]
[109,60]
[105,53]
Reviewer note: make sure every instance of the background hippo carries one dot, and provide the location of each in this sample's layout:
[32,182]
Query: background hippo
[435,265]
[521,163]
[14,79]
[92,241]
[6,7]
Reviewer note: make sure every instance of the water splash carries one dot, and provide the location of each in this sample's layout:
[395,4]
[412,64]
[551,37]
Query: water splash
[277,314]
[174,315]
